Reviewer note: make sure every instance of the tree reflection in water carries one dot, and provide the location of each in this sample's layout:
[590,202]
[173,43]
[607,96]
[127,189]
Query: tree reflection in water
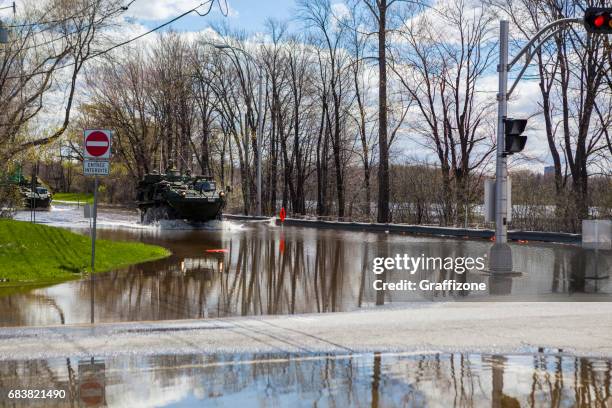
[375,380]
[269,270]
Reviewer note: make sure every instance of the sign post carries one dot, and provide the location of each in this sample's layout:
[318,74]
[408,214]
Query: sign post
[93,245]
[96,154]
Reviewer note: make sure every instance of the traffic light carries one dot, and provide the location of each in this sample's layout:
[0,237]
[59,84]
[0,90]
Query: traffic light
[3,34]
[514,141]
[598,20]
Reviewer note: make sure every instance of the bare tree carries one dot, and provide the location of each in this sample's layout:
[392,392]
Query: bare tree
[364,117]
[379,10]
[299,62]
[442,78]
[35,58]
[121,99]
[333,60]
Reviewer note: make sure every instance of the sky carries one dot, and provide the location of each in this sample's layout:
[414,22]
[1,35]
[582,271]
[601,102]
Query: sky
[251,16]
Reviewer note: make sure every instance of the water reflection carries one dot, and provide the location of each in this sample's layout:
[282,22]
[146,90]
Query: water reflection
[272,270]
[374,380]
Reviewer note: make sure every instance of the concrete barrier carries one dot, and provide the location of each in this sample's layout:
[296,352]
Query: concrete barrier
[437,231]
[597,234]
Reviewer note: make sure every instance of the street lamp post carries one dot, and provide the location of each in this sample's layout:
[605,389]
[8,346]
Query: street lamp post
[259,130]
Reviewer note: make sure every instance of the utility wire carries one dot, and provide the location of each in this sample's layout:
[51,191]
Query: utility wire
[226,12]
[81,29]
[208,3]
[79,14]
[195,9]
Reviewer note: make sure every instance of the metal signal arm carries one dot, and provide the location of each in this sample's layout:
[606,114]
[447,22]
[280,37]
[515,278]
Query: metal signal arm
[530,49]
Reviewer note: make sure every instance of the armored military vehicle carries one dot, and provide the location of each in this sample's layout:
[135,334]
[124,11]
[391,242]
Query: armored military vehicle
[178,196]
[34,193]
[38,198]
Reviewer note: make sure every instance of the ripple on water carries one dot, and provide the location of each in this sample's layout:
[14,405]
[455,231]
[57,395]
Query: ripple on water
[71,216]
[216,225]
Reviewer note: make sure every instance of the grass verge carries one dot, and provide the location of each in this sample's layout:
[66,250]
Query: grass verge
[34,253]
[74,197]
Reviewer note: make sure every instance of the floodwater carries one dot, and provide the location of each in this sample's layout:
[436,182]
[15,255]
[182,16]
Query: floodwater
[232,268]
[359,380]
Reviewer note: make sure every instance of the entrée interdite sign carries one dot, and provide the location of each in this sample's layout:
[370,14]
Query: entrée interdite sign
[96,167]
[96,152]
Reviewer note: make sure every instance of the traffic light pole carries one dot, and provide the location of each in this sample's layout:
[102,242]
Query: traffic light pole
[501,255]
[501,168]
[500,260]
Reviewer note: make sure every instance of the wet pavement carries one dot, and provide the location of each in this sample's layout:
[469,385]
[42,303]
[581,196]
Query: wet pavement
[375,379]
[230,268]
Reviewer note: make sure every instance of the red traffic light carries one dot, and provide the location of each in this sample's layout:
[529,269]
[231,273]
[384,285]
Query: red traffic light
[598,20]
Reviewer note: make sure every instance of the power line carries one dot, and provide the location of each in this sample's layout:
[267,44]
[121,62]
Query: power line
[226,12]
[208,3]
[195,9]
[12,6]
[81,29]
[79,14]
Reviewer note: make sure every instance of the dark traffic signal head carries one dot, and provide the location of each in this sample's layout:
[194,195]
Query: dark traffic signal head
[598,20]
[514,141]
[3,34]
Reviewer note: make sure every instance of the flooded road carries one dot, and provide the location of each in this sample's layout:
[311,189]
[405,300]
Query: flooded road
[254,268]
[280,379]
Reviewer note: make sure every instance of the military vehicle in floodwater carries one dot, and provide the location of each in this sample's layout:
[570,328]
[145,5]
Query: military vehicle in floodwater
[21,192]
[34,193]
[176,196]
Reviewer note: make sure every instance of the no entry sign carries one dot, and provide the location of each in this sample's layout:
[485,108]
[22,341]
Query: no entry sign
[97,144]
[92,383]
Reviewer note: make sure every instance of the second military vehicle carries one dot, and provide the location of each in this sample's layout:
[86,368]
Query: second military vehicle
[40,197]
[178,196]
[34,193]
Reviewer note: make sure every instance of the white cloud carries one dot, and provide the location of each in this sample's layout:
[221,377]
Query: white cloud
[340,10]
[159,9]
[154,10]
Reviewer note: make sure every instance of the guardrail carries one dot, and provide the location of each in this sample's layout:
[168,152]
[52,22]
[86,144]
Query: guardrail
[541,236]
